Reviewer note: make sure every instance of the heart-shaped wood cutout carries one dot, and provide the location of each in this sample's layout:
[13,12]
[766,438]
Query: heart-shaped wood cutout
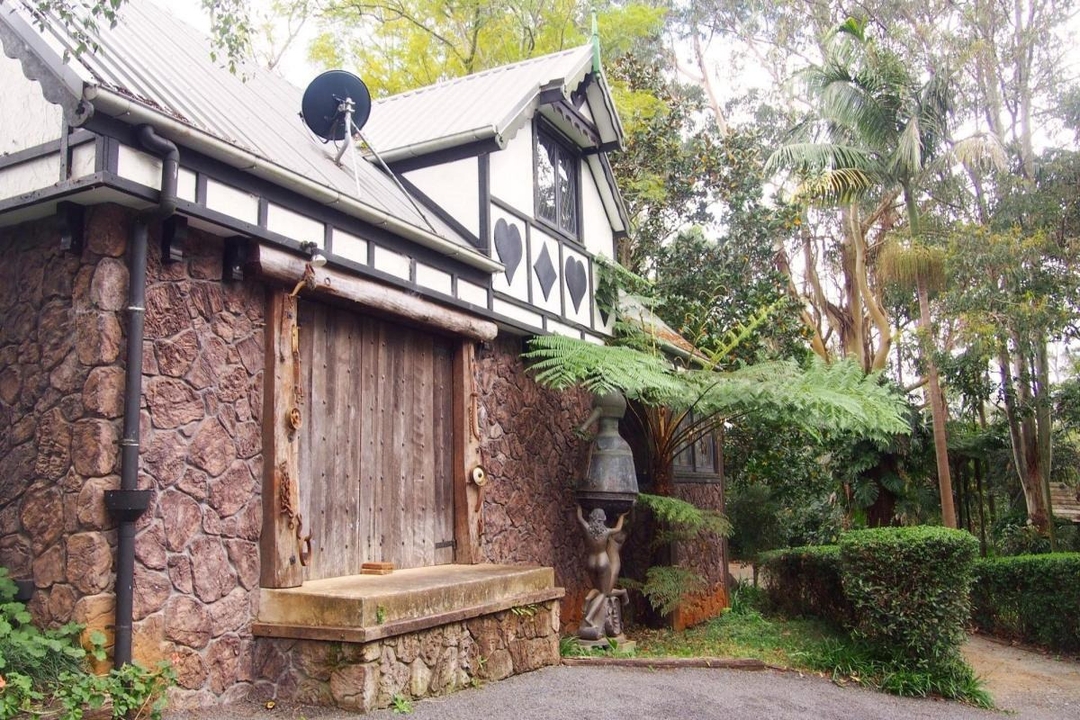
[509,246]
[577,282]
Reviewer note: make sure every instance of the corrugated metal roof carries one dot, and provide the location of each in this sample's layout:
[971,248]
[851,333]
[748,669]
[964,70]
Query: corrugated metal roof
[165,64]
[478,106]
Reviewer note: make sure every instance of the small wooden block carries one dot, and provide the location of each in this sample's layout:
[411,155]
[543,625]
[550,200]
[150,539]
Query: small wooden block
[377,568]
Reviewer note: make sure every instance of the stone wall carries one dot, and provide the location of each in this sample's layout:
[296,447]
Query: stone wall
[704,555]
[534,458]
[197,564]
[366,676]
[61,401]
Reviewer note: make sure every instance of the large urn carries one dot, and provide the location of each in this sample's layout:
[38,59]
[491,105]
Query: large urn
[610,480]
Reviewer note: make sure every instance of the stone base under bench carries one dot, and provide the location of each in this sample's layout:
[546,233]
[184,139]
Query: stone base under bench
[417,633]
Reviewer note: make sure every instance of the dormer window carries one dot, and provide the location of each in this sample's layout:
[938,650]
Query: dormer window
[556,182]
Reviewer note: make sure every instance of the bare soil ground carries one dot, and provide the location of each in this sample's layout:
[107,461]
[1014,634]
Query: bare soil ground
[1026,680]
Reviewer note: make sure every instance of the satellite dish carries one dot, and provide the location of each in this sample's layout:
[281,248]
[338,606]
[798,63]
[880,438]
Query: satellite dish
[334,101]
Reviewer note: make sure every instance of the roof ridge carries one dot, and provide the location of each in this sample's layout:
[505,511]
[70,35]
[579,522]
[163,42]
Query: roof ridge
[483,73]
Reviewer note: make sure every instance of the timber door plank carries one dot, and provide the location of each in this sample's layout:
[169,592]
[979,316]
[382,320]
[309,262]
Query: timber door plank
[422,480]
[318,421]
[377,459]
[442,455]
[369,435]
[390,490]
[354,440]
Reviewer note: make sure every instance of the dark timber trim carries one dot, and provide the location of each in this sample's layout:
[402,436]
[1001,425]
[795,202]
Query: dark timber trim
[446,155]
[483,171]
[440,212]
[46,149]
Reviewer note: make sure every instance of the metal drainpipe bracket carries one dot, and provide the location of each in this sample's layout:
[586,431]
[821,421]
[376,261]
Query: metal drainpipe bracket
[127,505]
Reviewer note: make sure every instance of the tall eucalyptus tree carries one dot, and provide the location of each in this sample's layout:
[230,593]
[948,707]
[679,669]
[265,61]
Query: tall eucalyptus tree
[876,131]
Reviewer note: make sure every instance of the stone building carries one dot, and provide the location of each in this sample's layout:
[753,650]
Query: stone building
[233,370]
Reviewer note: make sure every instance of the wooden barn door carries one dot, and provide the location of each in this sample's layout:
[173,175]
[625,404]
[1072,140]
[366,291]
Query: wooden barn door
[376,447]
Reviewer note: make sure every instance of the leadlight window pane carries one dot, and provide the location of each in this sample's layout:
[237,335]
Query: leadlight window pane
[546,158]
[567,193]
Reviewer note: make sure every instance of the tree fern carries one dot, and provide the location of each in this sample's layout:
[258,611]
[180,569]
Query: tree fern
[819,397]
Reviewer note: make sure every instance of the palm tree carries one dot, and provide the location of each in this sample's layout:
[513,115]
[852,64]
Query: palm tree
[877,130]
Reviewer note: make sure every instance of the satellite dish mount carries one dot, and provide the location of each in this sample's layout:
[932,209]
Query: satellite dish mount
[335,106]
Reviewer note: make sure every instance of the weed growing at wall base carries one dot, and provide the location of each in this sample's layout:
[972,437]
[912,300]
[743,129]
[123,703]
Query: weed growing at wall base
[47,670]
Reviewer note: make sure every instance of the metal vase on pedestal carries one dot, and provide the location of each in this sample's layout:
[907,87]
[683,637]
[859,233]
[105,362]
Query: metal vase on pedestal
[608,490]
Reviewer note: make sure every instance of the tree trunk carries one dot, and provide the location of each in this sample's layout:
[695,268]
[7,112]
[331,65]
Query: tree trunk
[937,410]
[1043,442]
[1022,436]
[977,467]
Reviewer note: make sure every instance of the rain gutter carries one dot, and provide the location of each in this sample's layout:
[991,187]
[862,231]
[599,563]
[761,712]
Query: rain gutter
[119,106]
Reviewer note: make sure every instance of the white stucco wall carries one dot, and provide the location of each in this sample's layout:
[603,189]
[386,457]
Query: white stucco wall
[597,235]
[26,117]
[512,172]
[455,186]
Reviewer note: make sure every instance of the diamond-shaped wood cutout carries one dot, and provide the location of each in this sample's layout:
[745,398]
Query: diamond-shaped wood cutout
[545,272]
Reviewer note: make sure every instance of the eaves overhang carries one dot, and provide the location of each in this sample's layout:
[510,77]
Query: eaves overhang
[80,97]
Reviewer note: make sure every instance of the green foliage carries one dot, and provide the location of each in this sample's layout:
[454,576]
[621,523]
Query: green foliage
[808,644]
[666,586]
[846,658]
[747,598]
[43,655]
[684,519]
[399,45]
[909,589]
[903,593]
[881,125]
[401,705]
[806,581]
[570,646]
[1032,598]
[836,397]
[49,667]
[755,519]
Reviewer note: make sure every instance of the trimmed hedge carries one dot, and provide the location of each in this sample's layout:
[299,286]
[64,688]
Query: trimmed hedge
[1035,598]
[806,581]
[909,589]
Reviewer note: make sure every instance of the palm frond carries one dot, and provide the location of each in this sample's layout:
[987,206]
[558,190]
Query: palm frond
[820,397]
[836,187]
[907,159]
[982,150]
[811,156]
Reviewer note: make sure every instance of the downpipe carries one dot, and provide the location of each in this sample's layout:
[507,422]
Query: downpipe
[128,503]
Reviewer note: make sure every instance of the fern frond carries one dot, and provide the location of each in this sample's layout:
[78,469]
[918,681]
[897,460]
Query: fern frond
[561,362]
[667,586]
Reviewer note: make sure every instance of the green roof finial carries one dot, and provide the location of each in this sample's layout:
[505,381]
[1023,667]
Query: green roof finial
[595,43]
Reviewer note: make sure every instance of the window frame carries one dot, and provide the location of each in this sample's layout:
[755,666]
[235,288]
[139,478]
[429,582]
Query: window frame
[700,469]
[570,151]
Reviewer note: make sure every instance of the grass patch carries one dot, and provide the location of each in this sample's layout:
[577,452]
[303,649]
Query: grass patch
[745,634]
[814,646]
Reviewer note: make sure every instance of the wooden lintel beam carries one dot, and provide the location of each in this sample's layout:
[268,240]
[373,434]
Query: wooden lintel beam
[286,268]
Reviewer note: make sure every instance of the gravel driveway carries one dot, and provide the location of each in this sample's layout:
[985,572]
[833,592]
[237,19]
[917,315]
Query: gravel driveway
[1032,686]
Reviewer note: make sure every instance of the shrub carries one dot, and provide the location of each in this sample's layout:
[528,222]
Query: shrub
[806,581]
[44,672]
[909,591]
[755,518]
[1030,597]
